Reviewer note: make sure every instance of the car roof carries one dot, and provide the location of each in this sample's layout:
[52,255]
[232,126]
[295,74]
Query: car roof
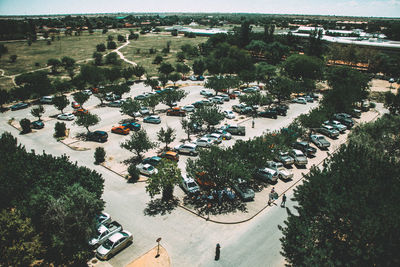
[100,132]
[189,144]
[171,153]
[115,237]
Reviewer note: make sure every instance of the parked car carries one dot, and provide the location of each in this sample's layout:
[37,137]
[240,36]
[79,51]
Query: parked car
[299,158]
[80,111]
[268,113]
[104,231]
[133,126]
[329,131]
[189,108]
[215,137]
[146,169]
[112,97]
[234,129]
[229,114]
[225,135]
[37,125]
[103,218]
[176,112]
[356,113]
[189,185]
[18,106]
[206,102]
[200,78]
[188,148]
[198,104]
[239,107]
[252,89]
[280,110]
[267,175]
[204,142]
[309,99]
[66,116]
[144,111]
[75,105]
[283,173]
[169,155]
[336,125]
[305,147]
[46,99]
[154,161]
[284,158]
[299,100]
[192,78]
[344,118]
[114,244]
[243,190]
[116,104]
[216,100]
[152,119]
[98,136]
[320,141]
[87,92]
[225,97]
[140,97]
[206,93]
[120,130]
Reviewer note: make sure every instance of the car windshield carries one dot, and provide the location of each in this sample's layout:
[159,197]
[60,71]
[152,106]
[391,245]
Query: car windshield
[150,168]
[191,185]
[108,244]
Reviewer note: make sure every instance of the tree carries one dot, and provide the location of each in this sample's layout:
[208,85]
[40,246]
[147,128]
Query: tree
[20,244]
[3,50]
[217,83]
[153,83]
[13,58]
[211,115]
[163,79]
[275,52]
[392,102]
[59,129]
[264,72]
[25,125]
[86,120]
[255,99]
[158,59]
[170,97]
[4,98]
[101,47]
[130,107]
[332,232]
[81,98]
[91,74]
[199,66]
[37,112]
[99,155]
[138,144]
[247,76]
[127,73]
[315,45]
[166,68]
[281,88]
[102,93]
[302,68]
[121,38]
[111,45]
[188,126]
[174,77]
[151,102]
[98,58]
[180,56]
[164,181]
[34,83]
[166,136]
[112,58]
[54,63]
[60,102]
[68,62]
[120,89]
[139,71]
[182,68]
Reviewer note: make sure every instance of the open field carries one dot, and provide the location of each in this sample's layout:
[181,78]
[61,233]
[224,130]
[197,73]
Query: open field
[157,41]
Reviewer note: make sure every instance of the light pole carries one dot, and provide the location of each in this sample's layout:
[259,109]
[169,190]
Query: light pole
[158,247]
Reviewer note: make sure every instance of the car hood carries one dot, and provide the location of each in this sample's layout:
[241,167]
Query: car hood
[102,250]
[285,172]
[93,242]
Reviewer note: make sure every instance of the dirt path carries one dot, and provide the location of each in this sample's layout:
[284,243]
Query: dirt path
[122,55]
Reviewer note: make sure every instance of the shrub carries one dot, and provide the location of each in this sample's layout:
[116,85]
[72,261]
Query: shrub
[25,125]
[99,155]
[133,173]
[372,105]
[158,59]
[60,129]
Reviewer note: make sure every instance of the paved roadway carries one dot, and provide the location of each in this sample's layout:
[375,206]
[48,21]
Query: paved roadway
[190,241]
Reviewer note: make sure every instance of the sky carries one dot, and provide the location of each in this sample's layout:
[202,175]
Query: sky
[365,8]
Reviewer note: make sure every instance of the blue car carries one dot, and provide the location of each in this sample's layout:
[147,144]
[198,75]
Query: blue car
[152,160]
[20,105]
[37,124]
[133,126]
[152,119]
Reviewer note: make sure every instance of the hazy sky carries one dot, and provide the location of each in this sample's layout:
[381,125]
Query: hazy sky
[376,8]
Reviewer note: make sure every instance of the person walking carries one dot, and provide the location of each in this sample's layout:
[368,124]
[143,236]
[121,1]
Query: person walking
[283,204]
[217,252]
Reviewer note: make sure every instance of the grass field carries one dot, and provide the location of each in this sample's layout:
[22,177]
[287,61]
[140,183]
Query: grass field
[157,41]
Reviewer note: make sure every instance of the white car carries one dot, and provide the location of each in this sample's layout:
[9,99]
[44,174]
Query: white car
[283,173]
[189,185]
[87,92]
[229,114]
[216,100]
[204,142]
[66,117]
[225,97]
[215,137]
[206,92]
[237,93]
[144,111]
[300,100]
[189,108]
[188,148]
[115,243]
[146,169]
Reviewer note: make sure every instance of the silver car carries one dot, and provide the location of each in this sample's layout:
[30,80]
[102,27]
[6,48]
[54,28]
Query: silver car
[283,173]
[114,244]
[243,190]
[299,158]
[189,185]
[146,169]
[204,142]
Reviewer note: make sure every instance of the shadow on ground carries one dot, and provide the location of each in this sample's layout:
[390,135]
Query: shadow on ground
[204,206]
[160,207]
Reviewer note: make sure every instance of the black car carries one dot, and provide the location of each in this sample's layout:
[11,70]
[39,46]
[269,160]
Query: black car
[20,105]
[344,119]
[198,104]
[268,113]
[37,125]
[200,78]
[154,161]
[280,110]
[97,136]
[305,147]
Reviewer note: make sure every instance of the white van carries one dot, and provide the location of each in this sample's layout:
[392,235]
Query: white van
[46,99]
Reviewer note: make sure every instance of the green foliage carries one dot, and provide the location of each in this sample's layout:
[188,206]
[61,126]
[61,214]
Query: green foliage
[4,97]
[199,66]
[134,173]
[180,56]
[60,102]
[91,74]
[130,107]
[121,38]
[355,221]
[158,59]
[182,68]
[166,136]
[392,102]
[81,98]
[302,67]
[151,102]
[255,99]
[174,77]
[210,115]
[138,143]
[172,96]
[54,63]
[59,129]
[119,89]
[315,117]
[264,72]
[165,68]
[164,181]
[99,155]
[127,73]
[13,58]
[101,47]
[111,45]
[217,83]
[68,62]
[275,52]
[86,120]
[98,58]
[153,83]
[33,83]
[112,58]
[37,112]
[20,245]
[281,88]
[25,125]
[139,71]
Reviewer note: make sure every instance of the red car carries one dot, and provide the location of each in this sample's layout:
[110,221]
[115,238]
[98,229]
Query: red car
[75,105]
[80,111]
[176,112]
[120,130]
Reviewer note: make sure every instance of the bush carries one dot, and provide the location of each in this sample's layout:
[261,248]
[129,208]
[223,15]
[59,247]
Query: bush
[158,59]
[99,155]
[372,105]
[111,45]
[133,173]
[25,125]
[60,129]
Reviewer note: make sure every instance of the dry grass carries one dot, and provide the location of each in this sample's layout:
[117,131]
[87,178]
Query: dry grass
[6,83]
[157,41]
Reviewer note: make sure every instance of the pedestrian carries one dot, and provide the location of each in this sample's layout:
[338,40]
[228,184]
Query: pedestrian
[283,204]
[217,252]
[273,190]
[270,197]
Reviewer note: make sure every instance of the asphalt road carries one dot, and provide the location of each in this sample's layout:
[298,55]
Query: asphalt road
[189,240]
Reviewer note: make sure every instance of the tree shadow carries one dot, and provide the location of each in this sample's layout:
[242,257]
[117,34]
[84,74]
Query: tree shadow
[81,136]
[160,207]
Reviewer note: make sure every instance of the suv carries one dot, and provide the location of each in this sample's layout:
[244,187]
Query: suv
[46,99]
[98,136]
[267,175]
[190,149]
[329,131]
[305,147]
[189,185]
[344,118]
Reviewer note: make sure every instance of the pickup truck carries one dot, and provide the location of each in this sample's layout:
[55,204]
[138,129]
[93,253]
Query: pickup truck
[104,231]
[234,129]
[319,141]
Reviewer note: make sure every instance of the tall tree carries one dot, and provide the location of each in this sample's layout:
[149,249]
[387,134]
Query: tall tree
[138,144]
[210,115]
[166,136]
[151,102]
[281,88]
[164,181]
[166,68]
[174,77]
[199,66]
[217,83]
[130,107]
[170,97]
[60,102]
[153,83]
[81,98]
[37,111]
[54,63]
[86,120]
